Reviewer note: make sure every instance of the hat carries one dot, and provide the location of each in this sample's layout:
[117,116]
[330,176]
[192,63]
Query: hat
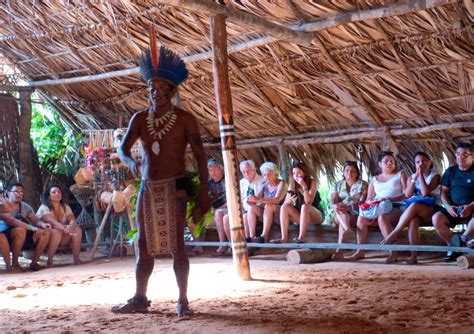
[168,66]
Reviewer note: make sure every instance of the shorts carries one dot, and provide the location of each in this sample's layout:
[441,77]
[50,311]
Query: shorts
[453,221]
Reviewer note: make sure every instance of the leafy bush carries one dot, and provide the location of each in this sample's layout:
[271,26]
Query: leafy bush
[56,144]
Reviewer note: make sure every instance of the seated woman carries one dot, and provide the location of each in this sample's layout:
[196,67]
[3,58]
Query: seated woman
[422,183]
[302,203]
[345,199]
[389,185]
[64,232]
[266,203]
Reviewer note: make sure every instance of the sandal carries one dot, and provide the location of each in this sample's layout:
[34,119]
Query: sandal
[298,241]
[277,241]
[218,254]
[258,240]
[133,305]
[35,266]
[184,312]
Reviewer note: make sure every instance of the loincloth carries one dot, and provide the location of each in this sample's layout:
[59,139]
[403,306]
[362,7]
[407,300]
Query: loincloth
[161,215]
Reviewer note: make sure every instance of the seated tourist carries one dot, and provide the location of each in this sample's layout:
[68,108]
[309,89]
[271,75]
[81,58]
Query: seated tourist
[219,203]
[265,204]
[422,185]
[345,199]
[5,207]
[26,230]
[65,231]
[250,184]
[302,203]
[457,198]
[388,186]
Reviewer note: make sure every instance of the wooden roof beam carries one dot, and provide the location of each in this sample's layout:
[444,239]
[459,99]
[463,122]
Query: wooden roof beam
[242,18]
[320,138]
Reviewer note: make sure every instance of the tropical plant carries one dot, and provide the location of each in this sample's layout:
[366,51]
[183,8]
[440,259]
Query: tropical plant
[54,141]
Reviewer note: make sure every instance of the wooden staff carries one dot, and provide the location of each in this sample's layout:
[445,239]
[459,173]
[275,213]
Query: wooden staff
[229,150]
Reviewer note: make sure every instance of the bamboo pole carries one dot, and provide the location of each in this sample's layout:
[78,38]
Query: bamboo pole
[229,149]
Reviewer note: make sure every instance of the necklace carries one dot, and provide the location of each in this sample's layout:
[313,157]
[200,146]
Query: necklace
[166,122]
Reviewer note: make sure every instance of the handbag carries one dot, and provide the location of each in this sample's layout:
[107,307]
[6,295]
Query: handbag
[375,209]
[426,200]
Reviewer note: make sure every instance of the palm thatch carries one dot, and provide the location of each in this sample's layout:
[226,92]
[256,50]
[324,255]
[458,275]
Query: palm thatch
[331,80]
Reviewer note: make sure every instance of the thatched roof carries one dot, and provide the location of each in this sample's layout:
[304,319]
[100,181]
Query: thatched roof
[335,78]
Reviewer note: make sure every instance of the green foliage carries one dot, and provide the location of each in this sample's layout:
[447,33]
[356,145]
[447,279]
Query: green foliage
[192,190]
[55,142]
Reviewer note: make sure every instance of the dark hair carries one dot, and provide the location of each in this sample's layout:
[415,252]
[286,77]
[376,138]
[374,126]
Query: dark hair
[383,154]
[423,154]
[464,145]
[45,196]
[307,176]
[353,164]
[14,184]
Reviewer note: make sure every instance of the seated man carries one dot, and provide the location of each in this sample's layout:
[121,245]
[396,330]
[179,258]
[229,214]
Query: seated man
[250,184]
[25,230]
[457,198]
[218,197]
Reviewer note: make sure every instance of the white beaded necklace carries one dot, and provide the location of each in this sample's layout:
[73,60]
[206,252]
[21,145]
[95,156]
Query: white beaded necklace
[167,121]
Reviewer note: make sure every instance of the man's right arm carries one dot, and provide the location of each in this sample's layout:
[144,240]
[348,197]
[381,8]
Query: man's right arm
[124,151]
[13,222]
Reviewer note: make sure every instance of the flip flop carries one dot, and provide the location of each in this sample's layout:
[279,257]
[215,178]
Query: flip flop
[218,254]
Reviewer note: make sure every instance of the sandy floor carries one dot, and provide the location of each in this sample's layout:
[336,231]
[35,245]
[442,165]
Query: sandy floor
[367,296]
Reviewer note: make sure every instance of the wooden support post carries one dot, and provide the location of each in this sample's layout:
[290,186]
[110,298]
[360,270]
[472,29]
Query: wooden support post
[25,150]
[229,149]
[284,161]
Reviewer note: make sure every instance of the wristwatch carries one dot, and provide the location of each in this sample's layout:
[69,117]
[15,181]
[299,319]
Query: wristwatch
[446,205]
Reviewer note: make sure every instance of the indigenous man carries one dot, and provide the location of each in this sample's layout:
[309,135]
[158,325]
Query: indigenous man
[457,198]
[25,229]
[164,131]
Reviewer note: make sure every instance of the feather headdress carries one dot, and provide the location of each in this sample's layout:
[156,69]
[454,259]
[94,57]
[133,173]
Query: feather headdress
[167,65]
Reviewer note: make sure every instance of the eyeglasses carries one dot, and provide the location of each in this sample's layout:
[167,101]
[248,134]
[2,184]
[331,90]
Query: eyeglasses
[462,155]
[19,192]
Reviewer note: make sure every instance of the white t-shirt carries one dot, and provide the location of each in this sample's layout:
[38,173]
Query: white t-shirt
[256,185]
[44,210]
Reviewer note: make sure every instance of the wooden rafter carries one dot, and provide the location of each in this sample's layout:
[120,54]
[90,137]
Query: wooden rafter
[322,137]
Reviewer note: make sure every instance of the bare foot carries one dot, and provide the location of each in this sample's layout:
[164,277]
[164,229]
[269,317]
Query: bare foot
[392,258]
[389,240]
[49,264]
[358,255]
[338,256]
[16,269]
[411,260]
[77,261]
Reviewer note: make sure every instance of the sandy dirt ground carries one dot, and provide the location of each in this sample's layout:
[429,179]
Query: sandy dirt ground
[332,297]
